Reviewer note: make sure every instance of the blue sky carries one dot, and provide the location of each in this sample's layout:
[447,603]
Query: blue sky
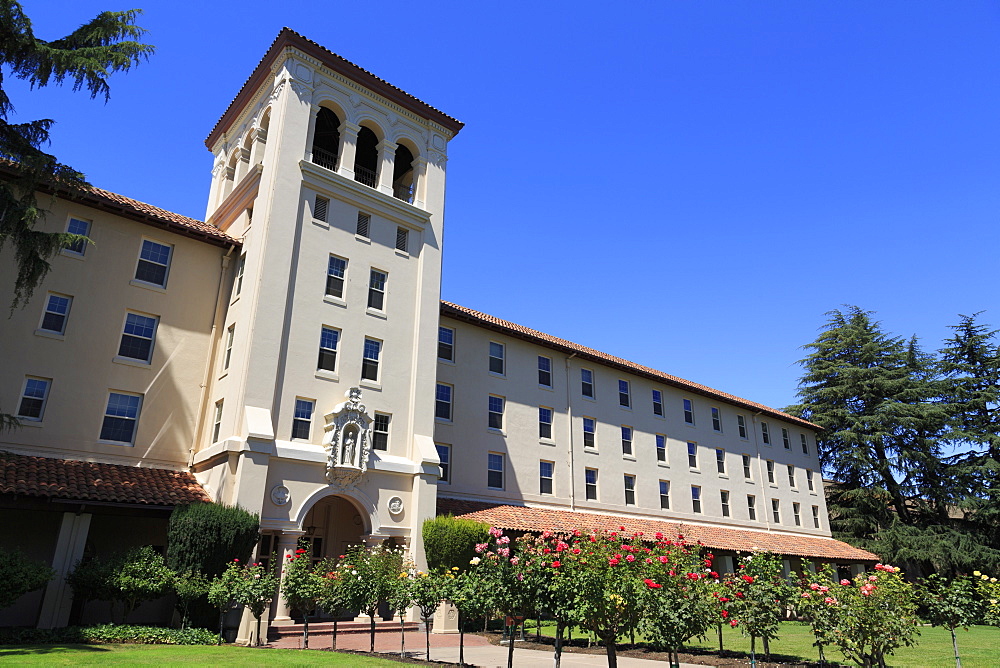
[689,185]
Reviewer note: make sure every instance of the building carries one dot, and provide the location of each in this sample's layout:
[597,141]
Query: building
[291,354]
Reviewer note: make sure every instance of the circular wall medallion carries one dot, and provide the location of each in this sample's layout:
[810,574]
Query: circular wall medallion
[395,505]
[279,495]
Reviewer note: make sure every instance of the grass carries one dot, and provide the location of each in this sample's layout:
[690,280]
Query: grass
[979,646]
[142,655]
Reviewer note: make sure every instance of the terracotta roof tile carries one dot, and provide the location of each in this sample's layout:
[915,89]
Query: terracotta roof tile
[464,314]
[91,481]
[521,518]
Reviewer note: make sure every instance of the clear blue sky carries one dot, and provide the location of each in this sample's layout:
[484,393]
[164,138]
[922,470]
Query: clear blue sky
[689,185]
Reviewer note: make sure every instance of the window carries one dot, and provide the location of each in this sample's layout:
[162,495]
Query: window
[380,432]
[442,402]
[692,455]
[494,470]
[336,271]
[795,515]
[376,289]
[720,460]
[752,507]
[746,467]
[815,510]
[785,440]
[121,417]
[544,371]
[81,227]
[33,398]
[402,239]
[776,510]
[805,444]
[228,355]
[589,432]
[688,412]
[629,490]
[154,261]
[364,222]
[791,476]
[137,337]
[657,403]
[320,208]
[545,477]
[626,440]
[369,364]
[716,420]
[665,494]
[446,344]
[770,472]
[765,433]
[624,397]
[661,448]
[217,422]
[587,383]
[724,497]
[496,357]
[741,424]
[56,313]
[240,270]
[496,412]
[695,499]
[544,422]
[444,454]
[302,418]
[590,484]
[809,480]
[328,338]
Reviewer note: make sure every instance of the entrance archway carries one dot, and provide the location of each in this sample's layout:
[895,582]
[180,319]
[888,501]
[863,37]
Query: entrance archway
[333,525]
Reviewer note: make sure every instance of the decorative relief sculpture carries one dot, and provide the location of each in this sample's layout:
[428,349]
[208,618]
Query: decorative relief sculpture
[347,441]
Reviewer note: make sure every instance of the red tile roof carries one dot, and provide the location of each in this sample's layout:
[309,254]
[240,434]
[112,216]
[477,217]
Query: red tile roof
[288,38]
[90,481]
[520,518]
[464,314]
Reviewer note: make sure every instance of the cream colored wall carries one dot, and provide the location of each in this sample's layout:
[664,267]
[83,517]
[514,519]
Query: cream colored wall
[82,363]
[472,440]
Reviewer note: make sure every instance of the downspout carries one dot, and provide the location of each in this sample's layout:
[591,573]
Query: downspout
[762,473]
[569,421]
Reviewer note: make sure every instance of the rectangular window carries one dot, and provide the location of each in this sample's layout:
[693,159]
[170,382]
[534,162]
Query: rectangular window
[590,484]
[624,395]
[544,371]
[665,494]
[724,497]
[228,355]
[380,432]
[320,207]
[364,223]
[716,420]
[497,354]
[815,510]
[791,476]
[217,422]
[629,490]
[302,418]
[741,424]
[657,403]
[809,480]
[544,422]
[589,432]
[137,337]
[765,434]
[545,477]
[785,440]
[56,313]
[442,402]
[496,412]
[661,448]
[402,239]
[240,270]
[720,460]
[154,263]
[494,470]
[376,289]
[688,411]
[752,507]
[369,364]
[328,339]
[444,454]
[626,440]
[695,499]
[587,383]
[81,227]
[746,468]
[805,444]
[692,455]
[336,271]
[770,472]
[121,417]
[446,344]
[33,398]
[796,516]
[776,510]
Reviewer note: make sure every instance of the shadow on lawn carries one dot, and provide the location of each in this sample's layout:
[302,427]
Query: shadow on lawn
[10,651]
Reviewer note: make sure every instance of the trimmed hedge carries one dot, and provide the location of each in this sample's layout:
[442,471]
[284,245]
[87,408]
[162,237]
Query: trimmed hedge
[450,541]
[108,634]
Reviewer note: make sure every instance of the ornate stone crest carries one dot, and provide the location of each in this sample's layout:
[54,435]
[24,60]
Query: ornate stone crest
[347,441]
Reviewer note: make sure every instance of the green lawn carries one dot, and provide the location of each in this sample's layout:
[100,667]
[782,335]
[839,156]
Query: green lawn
[141,655]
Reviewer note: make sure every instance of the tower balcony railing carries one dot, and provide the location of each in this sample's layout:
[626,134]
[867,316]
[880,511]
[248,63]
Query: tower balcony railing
[324,158]
[366,176]
[404,193]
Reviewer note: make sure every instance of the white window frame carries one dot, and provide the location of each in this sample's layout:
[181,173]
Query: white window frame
[497,353]
[696,499]
[747,467]
[333,268]
[446,345]
[815,513]
[381,434]
[664,495]
[805,444]
[765,433]
[368,363]
[587,385]
[688,406]
[657,403]
[797,513]
[544,373]
[24,397]
[440,402]
[593,432]
[71,250]
[241,266]
[769,465]
[629,483]
[378,279]
[741,426]
[217,420]
[151,339]
[785,440]
[297,421]
[716,420]
[444,454]
[495,417]
[545,426]
[134,419]
[752,507]
[55,313]
[661,448]
[493,459]
[624,393]
[724,500]
[627,434]
[227,354]
[590,487]
[166,266]
[810,484]
[791,476]
[327,351]
[692,452]
[549,479]
[776,510]
[720,461]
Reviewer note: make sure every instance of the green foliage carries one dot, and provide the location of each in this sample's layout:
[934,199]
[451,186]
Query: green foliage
[205,537]
[759,595]
[302,587]
[19,575]
[679,597]
[950,603]
[451,542]
[108,633]
[189,587]
[367,576]
[251,585]
[93,579]
[141,576]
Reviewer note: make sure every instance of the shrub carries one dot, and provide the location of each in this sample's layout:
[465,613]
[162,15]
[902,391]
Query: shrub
[452,542]
[206,537]
[141,576]
[19,575]
[107,633]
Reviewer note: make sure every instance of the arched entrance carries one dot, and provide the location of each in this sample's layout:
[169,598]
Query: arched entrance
[332,525]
